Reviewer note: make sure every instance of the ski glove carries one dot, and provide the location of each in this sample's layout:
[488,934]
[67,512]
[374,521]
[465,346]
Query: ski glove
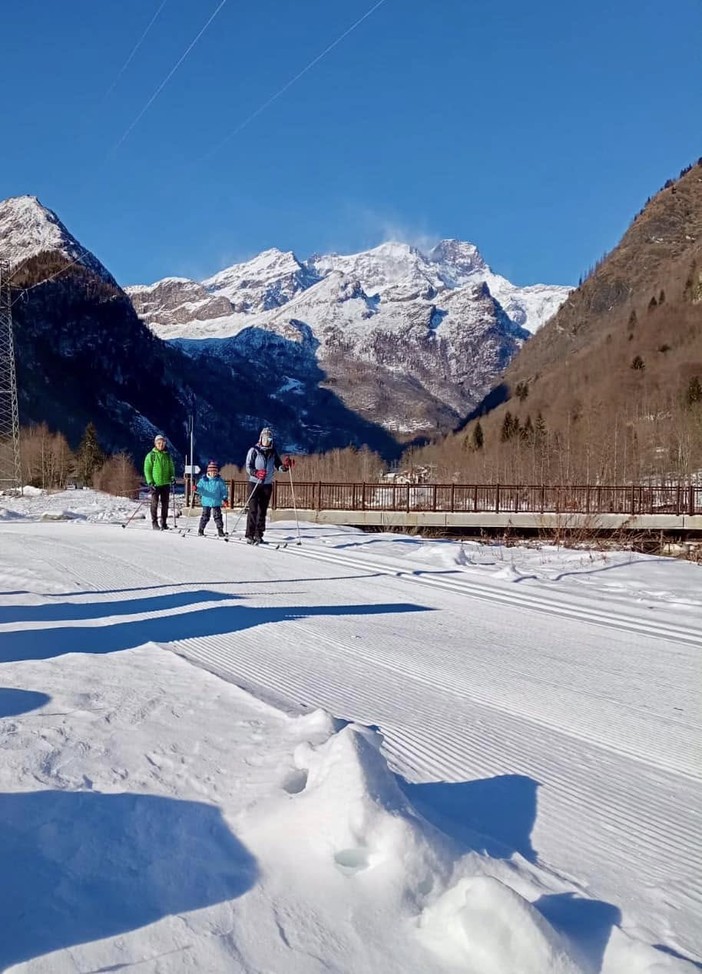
[260,475]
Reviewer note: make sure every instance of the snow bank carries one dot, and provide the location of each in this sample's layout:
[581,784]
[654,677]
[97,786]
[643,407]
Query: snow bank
[69,505]
[482,926]
[30,491]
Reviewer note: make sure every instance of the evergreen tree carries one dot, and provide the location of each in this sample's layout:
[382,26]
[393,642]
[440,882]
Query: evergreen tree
[522,390]
[478,437]
[527,431]
[507,427]
[694,392]
[638,363]
[90,456]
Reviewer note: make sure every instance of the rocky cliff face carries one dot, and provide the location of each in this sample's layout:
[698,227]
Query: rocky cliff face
[404,338]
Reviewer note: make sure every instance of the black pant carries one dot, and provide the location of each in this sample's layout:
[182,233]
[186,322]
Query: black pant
[258,508]
[161,494]
[205,517]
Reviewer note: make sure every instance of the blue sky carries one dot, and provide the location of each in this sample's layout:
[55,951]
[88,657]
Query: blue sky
[535,130]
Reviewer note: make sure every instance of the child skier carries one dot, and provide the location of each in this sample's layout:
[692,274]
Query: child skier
[213,493]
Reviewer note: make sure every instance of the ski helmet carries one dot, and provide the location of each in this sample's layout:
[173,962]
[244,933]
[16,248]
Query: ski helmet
[159,436]
[266,436]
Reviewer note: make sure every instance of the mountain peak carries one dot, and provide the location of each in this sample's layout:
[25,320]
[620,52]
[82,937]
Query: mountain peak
[28,228]
[460,255]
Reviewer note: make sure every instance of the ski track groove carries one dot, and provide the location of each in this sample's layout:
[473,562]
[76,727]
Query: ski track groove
[670,631]
[458,687]
[278,669]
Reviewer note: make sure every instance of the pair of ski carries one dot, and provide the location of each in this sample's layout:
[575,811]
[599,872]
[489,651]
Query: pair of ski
[225,537]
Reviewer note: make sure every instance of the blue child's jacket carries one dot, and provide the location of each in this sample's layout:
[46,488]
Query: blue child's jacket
[212,491]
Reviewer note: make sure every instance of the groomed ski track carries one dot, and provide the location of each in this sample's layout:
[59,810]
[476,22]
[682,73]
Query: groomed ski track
[590,707]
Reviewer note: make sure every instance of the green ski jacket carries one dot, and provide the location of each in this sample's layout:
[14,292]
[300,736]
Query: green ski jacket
[159,468]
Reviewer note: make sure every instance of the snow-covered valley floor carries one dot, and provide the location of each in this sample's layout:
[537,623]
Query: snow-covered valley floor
[364,754]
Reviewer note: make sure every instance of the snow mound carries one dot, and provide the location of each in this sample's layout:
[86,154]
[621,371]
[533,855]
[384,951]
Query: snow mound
[346,820]
[316,727]
[482,926]
[353,817]
[7,515]
[61,516]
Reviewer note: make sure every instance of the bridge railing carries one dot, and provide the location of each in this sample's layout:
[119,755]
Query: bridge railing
[481,498]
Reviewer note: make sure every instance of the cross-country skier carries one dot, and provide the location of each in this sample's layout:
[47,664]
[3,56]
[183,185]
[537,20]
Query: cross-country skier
[262,461]
[159,471]
[213,492]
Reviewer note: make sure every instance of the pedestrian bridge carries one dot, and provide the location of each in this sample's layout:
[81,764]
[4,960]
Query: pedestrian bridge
[674,508]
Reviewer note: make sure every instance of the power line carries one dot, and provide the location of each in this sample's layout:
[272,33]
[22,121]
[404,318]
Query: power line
[44,280]
[168,77]
[281,91]
[134,50]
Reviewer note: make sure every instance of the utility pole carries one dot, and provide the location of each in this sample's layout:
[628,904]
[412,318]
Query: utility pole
[10,466]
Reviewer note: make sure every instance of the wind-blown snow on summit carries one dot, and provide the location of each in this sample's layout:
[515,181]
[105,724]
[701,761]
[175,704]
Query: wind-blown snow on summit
[415,338]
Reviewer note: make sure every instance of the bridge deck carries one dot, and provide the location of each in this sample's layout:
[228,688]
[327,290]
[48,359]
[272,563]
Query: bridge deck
[490,520]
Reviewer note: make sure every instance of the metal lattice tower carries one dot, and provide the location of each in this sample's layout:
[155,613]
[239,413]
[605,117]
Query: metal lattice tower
[10,466]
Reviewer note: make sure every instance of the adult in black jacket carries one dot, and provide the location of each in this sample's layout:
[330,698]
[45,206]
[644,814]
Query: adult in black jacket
[262,461]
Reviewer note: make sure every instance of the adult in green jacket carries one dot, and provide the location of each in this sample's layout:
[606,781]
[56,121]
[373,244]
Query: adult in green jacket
[159,472]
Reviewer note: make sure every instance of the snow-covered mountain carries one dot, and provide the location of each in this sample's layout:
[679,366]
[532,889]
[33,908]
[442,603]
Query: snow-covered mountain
[407,338]
[29,230]
[84,356]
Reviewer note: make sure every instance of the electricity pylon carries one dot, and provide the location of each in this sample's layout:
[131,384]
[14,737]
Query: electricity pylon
[10,466]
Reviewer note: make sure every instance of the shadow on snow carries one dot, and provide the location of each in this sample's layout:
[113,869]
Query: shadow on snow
[81,866]
[222,620]
[587,924]
[14,702]
[490,815]
[496,817]
[68,611]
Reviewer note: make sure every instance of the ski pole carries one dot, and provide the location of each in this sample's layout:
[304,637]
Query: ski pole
[292,489]
[245,507]
[133,514]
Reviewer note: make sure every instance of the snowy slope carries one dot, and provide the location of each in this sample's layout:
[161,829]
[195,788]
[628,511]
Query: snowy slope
[530,807]
[269,280]
[27,229]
